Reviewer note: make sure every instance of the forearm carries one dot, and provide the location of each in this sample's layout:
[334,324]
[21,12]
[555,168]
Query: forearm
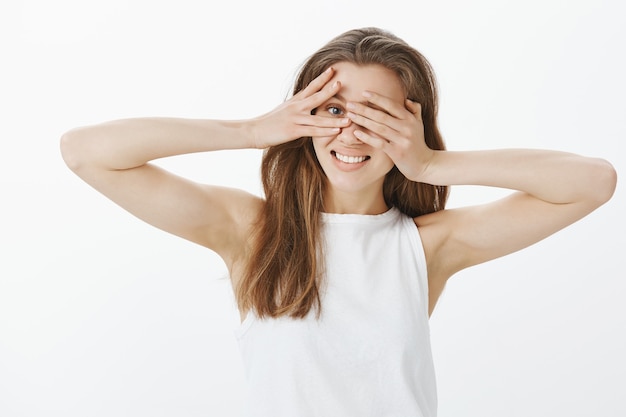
[129,143]
[553,176]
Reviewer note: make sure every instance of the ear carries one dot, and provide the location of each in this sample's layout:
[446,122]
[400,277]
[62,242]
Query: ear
[413,106]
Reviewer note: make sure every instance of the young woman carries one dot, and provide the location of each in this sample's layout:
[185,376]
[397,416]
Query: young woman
[338,268]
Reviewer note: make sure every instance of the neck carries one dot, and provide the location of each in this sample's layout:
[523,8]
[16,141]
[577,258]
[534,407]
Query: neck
[342,202]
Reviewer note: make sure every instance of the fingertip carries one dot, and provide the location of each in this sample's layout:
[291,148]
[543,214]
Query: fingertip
[373,142]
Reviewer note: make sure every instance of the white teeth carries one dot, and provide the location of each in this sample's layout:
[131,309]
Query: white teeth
[350,159]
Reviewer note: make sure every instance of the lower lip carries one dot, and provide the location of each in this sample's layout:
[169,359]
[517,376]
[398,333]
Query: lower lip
[345,166]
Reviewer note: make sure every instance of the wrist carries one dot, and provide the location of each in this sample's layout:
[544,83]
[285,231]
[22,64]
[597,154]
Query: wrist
[234,134]
[252,133]
[427,164]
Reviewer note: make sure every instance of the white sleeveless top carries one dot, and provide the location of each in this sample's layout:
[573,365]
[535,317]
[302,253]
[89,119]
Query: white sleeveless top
[369,352]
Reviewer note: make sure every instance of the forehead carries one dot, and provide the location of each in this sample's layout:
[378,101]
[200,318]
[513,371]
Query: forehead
[372,77]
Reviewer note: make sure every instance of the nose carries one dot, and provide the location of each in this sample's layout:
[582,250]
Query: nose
[346,136]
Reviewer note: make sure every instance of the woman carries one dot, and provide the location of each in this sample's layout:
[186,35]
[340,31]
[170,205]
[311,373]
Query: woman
[338,268]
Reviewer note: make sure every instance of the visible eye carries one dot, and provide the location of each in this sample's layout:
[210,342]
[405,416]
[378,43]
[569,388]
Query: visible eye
[334,110]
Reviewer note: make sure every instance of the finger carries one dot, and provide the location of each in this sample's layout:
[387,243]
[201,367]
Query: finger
[320,97]
[387,104]
[315,131]
[373,141]
[323,121]
[360,112]
[380,129]
[318,83]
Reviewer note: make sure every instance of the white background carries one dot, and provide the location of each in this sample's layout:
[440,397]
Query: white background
[102,315]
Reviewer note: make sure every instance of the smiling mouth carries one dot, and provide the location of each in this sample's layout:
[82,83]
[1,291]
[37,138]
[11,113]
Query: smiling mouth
[350,159]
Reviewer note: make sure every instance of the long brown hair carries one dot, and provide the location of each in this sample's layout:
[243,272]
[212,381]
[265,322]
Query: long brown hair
[285,261]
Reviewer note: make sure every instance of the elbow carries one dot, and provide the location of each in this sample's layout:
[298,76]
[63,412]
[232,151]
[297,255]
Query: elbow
[72,149]
[604,181]
[66,145]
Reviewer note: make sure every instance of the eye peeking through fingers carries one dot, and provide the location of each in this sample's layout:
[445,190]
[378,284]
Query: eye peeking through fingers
[335,110]
[330,110]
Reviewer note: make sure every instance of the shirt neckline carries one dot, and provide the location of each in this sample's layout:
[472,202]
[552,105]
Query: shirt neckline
[359,218]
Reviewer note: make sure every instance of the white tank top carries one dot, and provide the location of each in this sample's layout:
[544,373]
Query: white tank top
[369,353]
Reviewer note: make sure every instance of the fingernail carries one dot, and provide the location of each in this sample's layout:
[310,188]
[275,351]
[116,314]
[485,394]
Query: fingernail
[351,115]
[351,106]
[367,94]
[358,133]
[345,121]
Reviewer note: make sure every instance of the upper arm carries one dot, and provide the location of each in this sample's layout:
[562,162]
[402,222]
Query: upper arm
[459,238]
[215,217]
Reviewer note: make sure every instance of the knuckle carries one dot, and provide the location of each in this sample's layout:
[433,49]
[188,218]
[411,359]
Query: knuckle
[356,118]
[385,130]
[405,146]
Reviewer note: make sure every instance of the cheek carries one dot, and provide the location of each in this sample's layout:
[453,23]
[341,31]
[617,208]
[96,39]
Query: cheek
[320,143]
[386,162]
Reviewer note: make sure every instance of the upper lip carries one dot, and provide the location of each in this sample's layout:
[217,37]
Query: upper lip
[347,153]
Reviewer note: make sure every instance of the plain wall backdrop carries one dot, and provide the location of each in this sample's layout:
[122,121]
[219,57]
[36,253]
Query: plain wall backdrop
[102,315]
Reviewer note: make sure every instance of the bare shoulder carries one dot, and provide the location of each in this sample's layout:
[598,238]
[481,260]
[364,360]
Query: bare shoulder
[435,230]
[229,234]
[234,238]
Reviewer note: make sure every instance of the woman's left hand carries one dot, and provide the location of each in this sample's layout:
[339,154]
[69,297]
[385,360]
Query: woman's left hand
[394,128]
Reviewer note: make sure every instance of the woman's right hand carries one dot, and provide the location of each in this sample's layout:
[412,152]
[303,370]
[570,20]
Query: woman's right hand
[293,119]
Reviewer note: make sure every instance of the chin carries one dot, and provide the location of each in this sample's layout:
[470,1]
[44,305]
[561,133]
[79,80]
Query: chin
[349,183]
